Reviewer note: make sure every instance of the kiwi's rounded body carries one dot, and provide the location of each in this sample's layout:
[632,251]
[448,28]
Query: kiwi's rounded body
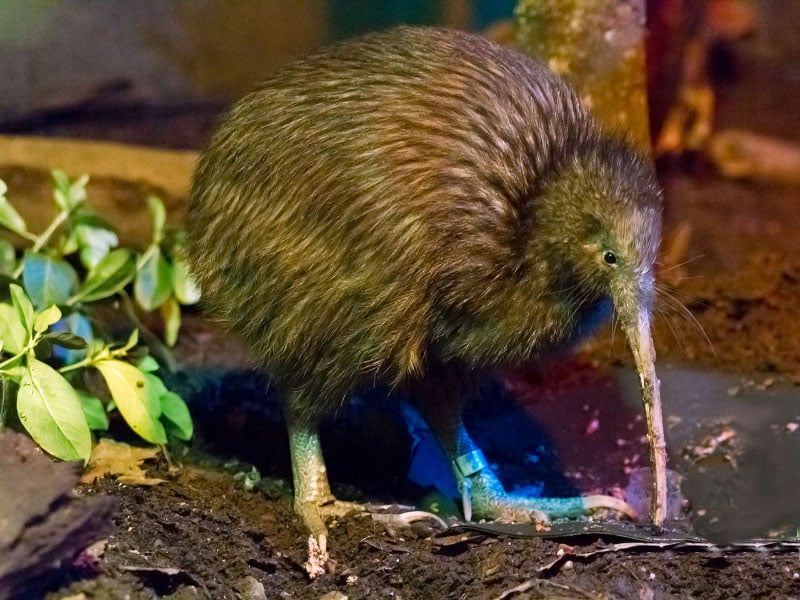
[372,211]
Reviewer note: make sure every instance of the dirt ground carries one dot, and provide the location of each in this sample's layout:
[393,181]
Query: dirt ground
[205,534]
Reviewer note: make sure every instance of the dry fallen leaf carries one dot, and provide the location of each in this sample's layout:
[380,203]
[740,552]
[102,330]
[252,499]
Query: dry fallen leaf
[121,461]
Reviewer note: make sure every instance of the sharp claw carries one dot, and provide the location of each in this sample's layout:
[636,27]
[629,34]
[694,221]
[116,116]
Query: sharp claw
[405,519]
[592,503]
[318,562]
[322,540]
[387,508]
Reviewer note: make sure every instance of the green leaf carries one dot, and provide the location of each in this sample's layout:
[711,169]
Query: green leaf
[186,288]
[159,218]
[24,307]
[148,364]
[60,188]
[46,318]
[68,195]
[74,335]
[94,243]
[14,370]
[12,331]
[176,415]
[171,313]
[43,350]
[49,408]
[65,339]
[154,280]
[80,221]
[94,411]
[158,385]
[136,399]
[108,277]
[48,280]
[9,217]
[174,411]
[8,257]
[133,339]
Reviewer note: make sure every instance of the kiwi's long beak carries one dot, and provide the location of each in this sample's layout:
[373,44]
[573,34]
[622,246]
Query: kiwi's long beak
[640,340]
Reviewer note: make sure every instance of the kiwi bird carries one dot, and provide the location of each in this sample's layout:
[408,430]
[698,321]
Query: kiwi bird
[412,207]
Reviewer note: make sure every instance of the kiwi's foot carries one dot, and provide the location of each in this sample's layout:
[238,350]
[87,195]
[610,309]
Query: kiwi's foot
[317,516]
[489,500]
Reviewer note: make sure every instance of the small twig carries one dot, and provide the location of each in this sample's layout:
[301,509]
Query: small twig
[538,583]
[41,240]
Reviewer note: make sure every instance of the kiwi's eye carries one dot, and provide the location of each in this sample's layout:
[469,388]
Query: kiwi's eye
[609,257]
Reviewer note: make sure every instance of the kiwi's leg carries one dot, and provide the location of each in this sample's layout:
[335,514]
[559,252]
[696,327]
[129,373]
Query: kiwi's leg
[441,400]
[484,497]
[313,499]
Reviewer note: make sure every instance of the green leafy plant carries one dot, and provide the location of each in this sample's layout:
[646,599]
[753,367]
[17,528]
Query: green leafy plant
[50,343]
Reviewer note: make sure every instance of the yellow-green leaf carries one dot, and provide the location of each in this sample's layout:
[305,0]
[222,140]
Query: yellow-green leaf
[159,215]
[133,339]
[23,305]
[12,332]
[9,217]
[8,257]
[186,289]
[136,398]
[68,195]
[46,318]
[171,313]
[49,408]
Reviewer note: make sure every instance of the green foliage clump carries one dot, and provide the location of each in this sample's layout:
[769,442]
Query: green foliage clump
[50,343]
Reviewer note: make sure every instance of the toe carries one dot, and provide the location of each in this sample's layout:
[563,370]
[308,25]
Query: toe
[598,502]
[318,562]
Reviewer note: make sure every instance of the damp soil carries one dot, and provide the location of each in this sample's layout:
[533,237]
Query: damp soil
[559,428]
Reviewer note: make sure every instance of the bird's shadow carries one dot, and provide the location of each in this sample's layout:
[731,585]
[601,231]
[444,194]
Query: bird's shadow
[374,447]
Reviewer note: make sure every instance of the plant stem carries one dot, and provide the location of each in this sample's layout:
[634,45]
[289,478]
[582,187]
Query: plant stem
[77,365]
[44,238]
[25,235]
[146,256]
[26,350]
[5,402]
[8,361]
[160,351]
[51,229]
